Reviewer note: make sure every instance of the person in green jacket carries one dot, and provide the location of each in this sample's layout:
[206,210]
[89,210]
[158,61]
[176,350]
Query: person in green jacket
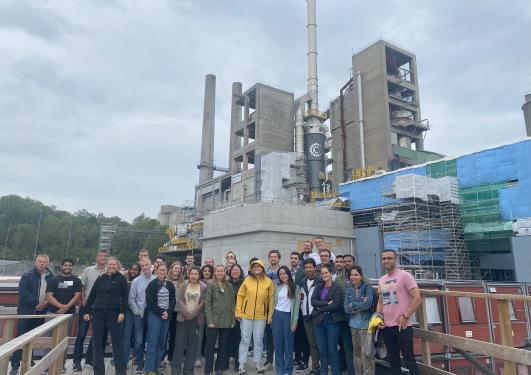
[286,304]
[219,314]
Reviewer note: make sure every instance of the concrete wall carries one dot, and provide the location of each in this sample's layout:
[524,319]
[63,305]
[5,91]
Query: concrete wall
[252,230]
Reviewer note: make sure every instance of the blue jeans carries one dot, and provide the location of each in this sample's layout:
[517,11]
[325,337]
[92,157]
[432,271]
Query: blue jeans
[139,330]
[327,335]
[156,341]
[128,329]
[283,340]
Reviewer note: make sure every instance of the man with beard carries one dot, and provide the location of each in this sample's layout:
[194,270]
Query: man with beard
[63,292]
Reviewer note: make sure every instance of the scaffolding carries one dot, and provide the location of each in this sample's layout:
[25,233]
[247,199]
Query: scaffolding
[422,224]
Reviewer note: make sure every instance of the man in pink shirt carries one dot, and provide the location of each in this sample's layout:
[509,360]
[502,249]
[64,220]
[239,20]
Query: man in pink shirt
[399,299]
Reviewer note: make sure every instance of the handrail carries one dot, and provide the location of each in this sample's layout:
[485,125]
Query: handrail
[53,361]
[506,351]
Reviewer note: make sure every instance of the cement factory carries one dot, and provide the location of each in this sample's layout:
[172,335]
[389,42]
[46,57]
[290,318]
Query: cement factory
[356,173]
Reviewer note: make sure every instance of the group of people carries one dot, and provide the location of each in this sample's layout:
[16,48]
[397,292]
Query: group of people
[317,306]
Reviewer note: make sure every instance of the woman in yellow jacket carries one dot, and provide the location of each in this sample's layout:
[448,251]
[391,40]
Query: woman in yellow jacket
[254,308]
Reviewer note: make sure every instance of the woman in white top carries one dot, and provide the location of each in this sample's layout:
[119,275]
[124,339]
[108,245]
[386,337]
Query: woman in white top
[286,303]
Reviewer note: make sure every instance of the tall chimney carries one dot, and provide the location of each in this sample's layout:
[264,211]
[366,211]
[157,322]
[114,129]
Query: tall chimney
[314,139]
[527,114]
[206,164]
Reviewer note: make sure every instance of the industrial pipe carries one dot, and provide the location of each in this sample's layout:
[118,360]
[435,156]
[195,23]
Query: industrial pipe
[360,116]
[299,132]
[343,128]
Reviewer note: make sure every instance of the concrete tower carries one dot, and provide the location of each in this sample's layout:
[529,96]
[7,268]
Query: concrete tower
[527,114]
[206,164]
[376,122]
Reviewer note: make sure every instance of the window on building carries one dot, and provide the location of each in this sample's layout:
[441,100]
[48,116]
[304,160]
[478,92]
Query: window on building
[512,314]
[466,309]
[432,312]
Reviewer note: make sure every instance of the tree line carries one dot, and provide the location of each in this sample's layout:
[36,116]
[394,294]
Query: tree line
[62,233]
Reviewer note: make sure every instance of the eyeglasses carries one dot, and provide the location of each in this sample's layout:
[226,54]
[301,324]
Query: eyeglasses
[388,258]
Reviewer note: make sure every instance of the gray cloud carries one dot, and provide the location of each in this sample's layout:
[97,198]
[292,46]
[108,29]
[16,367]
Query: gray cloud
[101,101]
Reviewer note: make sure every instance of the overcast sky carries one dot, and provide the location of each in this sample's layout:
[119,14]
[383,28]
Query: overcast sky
[101,101]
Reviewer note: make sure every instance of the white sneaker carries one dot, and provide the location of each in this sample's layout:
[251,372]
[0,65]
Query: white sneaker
[197,363]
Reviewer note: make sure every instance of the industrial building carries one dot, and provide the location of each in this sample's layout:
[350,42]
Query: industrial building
[448,218]
[457,218]
[376,121]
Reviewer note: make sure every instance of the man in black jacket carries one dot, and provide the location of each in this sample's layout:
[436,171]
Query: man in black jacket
[308,284]
[32,301]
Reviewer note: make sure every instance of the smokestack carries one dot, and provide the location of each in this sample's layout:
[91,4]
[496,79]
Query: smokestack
[527,114]
[314,139]
[206,165]
[312,54]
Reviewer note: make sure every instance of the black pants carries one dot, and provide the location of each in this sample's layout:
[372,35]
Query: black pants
[301,347]
[400,341]
[171,336]
[235,337]
[82,330]
[268,336]
[23,326]
[222,359]
[103,321]
[185,347]
[346,356]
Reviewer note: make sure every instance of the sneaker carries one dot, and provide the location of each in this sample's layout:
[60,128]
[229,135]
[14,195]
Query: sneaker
[63,371]
[241,371]
[302,367]
[295,363]
[197,363]
[77,367]
[260,370]
[88,365]
[139,369]
[14,370]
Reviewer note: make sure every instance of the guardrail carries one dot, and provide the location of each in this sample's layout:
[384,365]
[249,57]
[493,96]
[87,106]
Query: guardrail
[35,339]
[511,356]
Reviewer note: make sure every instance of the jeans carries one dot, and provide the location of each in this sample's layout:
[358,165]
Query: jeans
[139,325]
[103,321]
[363,363]
[255,329]
[222,360]
[185,342]
[312,341]
[200,334]
[156,341]
[283,340]
[400,341]
[23,326]
[327,335]
[301,346]
[346,360]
